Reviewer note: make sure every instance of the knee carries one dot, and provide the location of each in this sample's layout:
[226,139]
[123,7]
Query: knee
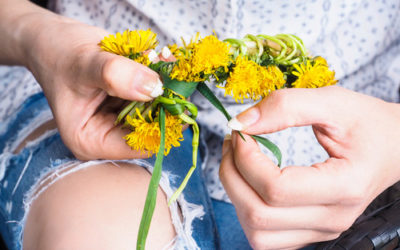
[96,208]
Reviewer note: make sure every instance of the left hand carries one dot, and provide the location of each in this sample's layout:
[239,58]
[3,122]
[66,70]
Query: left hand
[292,207]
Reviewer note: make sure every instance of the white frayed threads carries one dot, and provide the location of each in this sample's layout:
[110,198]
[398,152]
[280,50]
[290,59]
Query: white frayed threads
[9,206]
[22,173]
[28,129]
[190,212]
[4,159]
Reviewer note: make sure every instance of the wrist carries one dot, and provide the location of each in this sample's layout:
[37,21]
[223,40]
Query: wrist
[34,35]
[16,23]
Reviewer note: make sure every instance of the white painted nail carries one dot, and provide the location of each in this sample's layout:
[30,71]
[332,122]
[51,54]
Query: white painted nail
[158,89]
[152,55]
[165,52]
[235,124]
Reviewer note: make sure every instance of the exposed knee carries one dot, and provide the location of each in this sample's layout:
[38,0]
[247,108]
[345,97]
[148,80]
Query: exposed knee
[99,207]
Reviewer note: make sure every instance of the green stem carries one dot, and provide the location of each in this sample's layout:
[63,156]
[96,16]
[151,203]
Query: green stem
[278,41]
[195,146]
[299,42]
[151,197]
[257,40]
[190,107]
[125,111]
[292,45]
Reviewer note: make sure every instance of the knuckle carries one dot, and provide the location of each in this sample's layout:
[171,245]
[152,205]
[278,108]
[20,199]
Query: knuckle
[81,147]
[273,194]
[255,218]
[280,98]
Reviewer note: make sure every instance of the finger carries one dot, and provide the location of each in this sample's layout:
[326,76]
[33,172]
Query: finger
[255,214]
[292,239]
[166,55]
[125,78]
[324,183]
[152,55]
[101,139]
[288,108]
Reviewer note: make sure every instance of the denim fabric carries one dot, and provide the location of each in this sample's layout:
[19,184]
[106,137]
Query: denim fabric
[26,168]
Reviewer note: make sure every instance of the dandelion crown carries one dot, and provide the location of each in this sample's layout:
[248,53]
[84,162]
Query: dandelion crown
[247,68]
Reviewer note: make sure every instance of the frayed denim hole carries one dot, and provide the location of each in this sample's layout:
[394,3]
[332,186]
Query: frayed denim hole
[182,212]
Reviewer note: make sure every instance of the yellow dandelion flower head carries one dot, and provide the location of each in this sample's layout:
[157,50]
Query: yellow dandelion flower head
[182,71]
[313,74]
[143,59]
[320,60]
[130,43]
[210,54]
[190,46]
[146,135]
[250,80]
[175,50]
[200,58]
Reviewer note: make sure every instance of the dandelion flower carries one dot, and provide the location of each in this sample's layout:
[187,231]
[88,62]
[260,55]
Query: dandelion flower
[250,80]
[182,71]
[131,44]
[146,135]
[200,58]
[313,75]
[209,54]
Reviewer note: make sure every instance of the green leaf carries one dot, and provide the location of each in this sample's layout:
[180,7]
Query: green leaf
[175,109]
[271,146]
[157,66]
[151,197]
[185,89]
[209,95]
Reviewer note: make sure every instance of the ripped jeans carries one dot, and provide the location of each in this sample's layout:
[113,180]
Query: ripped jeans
[206,223]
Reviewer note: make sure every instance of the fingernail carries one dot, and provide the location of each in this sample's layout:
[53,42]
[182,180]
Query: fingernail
[154,89]
[245,119]
[165,52]
[235,124]
[227,137]
[152,55]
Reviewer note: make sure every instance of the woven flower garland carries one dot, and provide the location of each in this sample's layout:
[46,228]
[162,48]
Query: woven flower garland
[248,68]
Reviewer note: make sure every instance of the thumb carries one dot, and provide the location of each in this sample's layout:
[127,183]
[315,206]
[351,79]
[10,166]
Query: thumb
[125,78]
[288,108]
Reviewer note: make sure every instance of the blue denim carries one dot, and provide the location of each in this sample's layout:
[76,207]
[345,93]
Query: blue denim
[218,228]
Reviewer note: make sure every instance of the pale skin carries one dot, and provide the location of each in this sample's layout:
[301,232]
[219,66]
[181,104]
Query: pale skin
[100,207]
[292,207]
[278,209]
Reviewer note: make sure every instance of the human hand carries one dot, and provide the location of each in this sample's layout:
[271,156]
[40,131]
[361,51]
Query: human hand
[291,207]
[86,87]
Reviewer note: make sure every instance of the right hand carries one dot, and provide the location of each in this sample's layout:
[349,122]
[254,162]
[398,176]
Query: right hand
[291,207]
